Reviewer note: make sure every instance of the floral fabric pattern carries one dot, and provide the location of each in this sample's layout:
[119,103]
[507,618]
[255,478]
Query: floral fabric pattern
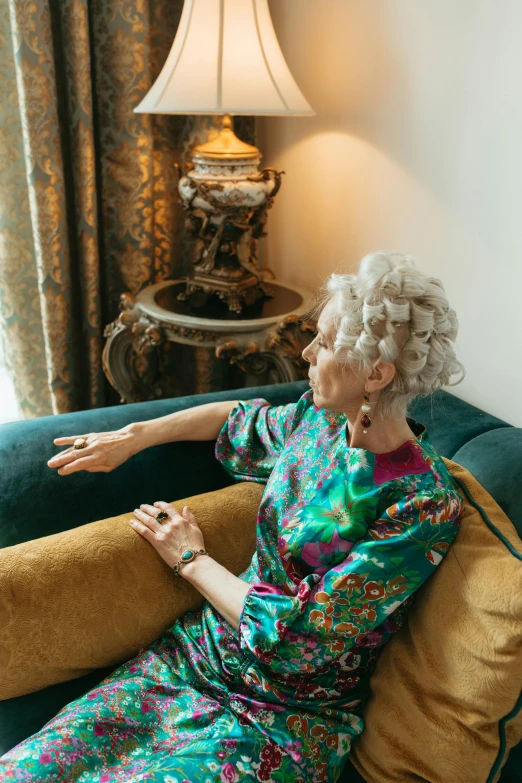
[345,537]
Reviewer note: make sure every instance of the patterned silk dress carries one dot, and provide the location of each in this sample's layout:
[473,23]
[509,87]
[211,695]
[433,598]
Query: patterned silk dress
[345,537]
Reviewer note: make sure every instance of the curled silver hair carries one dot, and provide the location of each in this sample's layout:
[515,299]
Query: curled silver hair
[391,311]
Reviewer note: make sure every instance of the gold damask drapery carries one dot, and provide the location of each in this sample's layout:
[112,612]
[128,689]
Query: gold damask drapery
[88,199]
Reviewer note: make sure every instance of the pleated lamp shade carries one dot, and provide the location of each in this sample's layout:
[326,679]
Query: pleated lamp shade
[225,59]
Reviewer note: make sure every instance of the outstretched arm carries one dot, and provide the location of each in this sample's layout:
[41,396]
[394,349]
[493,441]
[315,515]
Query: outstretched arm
[105,451]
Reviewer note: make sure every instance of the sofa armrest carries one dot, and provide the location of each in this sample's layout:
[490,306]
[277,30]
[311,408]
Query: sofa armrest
[485,457]
[37,501]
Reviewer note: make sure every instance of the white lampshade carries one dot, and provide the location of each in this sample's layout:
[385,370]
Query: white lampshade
[225,59]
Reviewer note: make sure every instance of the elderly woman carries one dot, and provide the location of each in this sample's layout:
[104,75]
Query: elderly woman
[269,679]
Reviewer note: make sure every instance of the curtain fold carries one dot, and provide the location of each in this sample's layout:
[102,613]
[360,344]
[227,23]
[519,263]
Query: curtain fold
[88,189]
[21,329]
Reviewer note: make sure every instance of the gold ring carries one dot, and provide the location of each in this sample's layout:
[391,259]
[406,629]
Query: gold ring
[80,443]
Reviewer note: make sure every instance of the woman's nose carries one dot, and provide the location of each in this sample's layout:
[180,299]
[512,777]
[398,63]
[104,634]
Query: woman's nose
[305,353]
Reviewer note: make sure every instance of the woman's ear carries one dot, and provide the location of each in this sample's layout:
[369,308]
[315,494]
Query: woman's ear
[382,375]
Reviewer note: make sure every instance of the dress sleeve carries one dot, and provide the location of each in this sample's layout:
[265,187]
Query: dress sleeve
[253,436]
[353,603]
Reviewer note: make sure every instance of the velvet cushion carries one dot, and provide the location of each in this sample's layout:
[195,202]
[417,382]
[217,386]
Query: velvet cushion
[485,458]
[94,596]
[445,704]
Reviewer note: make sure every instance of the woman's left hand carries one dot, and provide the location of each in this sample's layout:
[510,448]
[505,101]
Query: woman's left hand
[172,536]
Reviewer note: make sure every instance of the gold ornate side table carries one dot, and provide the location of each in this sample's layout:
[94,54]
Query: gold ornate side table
[158,347]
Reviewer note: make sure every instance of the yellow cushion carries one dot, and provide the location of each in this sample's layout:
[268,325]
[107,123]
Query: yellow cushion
[445,682]
[93,596]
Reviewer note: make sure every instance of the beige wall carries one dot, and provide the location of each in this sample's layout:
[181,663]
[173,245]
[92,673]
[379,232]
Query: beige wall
[416,147]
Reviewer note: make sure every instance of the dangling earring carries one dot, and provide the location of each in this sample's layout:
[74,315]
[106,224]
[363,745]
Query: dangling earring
[365,419]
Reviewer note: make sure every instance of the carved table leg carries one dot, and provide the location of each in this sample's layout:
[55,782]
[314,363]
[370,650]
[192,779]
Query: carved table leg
[119,365]
[126,354]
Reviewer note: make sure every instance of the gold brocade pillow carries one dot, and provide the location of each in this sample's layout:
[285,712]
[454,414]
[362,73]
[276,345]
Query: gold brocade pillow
[445,704]
[93,596]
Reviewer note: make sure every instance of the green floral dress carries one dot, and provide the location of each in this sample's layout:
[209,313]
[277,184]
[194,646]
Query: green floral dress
[345,537]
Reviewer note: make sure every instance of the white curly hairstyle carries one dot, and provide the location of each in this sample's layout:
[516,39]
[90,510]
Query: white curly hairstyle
[391,311]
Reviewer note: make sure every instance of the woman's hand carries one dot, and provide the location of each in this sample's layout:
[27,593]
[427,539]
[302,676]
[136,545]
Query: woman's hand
[172,536]
[104,451]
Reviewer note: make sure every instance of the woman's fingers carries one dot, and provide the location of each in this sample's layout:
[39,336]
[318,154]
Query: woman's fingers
[85,463]
[69,455]
[167,507]
[148,520]
[186,513]
[65,441]
[61,458]
[151,510]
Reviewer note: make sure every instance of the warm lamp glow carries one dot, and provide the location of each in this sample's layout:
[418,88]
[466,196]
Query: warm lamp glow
[225,59]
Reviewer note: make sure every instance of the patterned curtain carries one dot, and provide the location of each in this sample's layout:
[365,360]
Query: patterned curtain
[88,189]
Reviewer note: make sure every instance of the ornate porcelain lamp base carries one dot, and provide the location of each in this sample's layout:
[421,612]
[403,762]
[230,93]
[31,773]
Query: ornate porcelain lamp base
[159,347]
[226,199]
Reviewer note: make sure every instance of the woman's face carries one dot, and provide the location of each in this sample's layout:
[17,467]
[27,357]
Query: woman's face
[336,386]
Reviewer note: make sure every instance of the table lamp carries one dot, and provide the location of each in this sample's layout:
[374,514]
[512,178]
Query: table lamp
[226,60]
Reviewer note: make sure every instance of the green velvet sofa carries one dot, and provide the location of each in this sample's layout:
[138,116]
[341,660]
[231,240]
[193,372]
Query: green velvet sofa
[37,502]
